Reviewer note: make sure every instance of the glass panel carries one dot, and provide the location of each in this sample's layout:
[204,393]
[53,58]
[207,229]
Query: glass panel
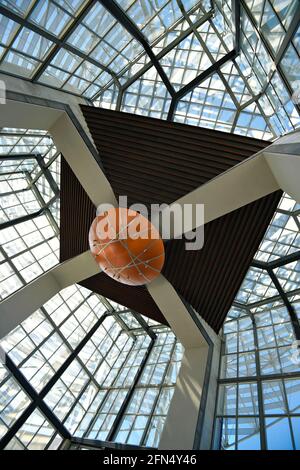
[228,436]
[247,399]
[278,434]
[292,388]
[35,434]
[185,62]
[50,17]
[209,105]
[147,96]
[248,434]
[13,401]
[266,319]
[274,401]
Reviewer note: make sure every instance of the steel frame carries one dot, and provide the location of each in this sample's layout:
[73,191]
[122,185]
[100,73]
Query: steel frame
[259,378]
[278,56]
[125,20]
[59,42]
[37,398]
[44,170]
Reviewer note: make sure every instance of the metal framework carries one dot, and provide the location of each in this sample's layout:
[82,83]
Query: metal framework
[59,42]
[82,71]
[285,43]
[38,398]
[274,91]
[29,195]
[259,384]
[44,171]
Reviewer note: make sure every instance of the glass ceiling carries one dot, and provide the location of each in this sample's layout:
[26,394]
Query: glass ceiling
[151,57]
[259,384]
[29,207]
[181,60]
[82,355]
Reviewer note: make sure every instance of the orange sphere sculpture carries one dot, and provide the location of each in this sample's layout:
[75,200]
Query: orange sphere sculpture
[126,246]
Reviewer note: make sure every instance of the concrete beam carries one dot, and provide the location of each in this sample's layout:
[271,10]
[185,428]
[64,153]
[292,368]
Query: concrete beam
[35,106]
[17,307]
[38,92]
[182,421]
[235,188]
[175,312]
[276,167]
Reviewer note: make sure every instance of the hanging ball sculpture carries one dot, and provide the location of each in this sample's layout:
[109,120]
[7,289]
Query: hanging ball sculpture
[126,246]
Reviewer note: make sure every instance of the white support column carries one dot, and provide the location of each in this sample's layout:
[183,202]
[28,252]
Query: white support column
[17,307]
[181,424]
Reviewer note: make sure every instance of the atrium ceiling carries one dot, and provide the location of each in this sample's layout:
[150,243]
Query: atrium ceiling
[227,65]
[232,66]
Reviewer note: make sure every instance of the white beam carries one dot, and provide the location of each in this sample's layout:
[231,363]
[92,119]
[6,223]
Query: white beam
[175,312]
[17,114]
[283,158]
[17,307]
[265,172]
[38,92]
[92,179]
[286,170]
[67,140]
[181,423]
[235,188]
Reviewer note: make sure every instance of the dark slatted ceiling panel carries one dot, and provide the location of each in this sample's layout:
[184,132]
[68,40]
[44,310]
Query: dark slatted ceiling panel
[210,278]
[77,214]
[153,161]
[136,298]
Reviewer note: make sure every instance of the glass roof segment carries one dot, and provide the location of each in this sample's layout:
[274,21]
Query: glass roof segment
[264,110]
[108,99]
[208,105]
[257,286]
[14,400]
[157,17]
[36,434]
[185,62]
[147,96]
[260,337]
[93,35]
[78,46]
[29,201]
[53,23]
[28,249]
[283,235]
[53,17]
[290,62]
[87,395]
[14,141]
